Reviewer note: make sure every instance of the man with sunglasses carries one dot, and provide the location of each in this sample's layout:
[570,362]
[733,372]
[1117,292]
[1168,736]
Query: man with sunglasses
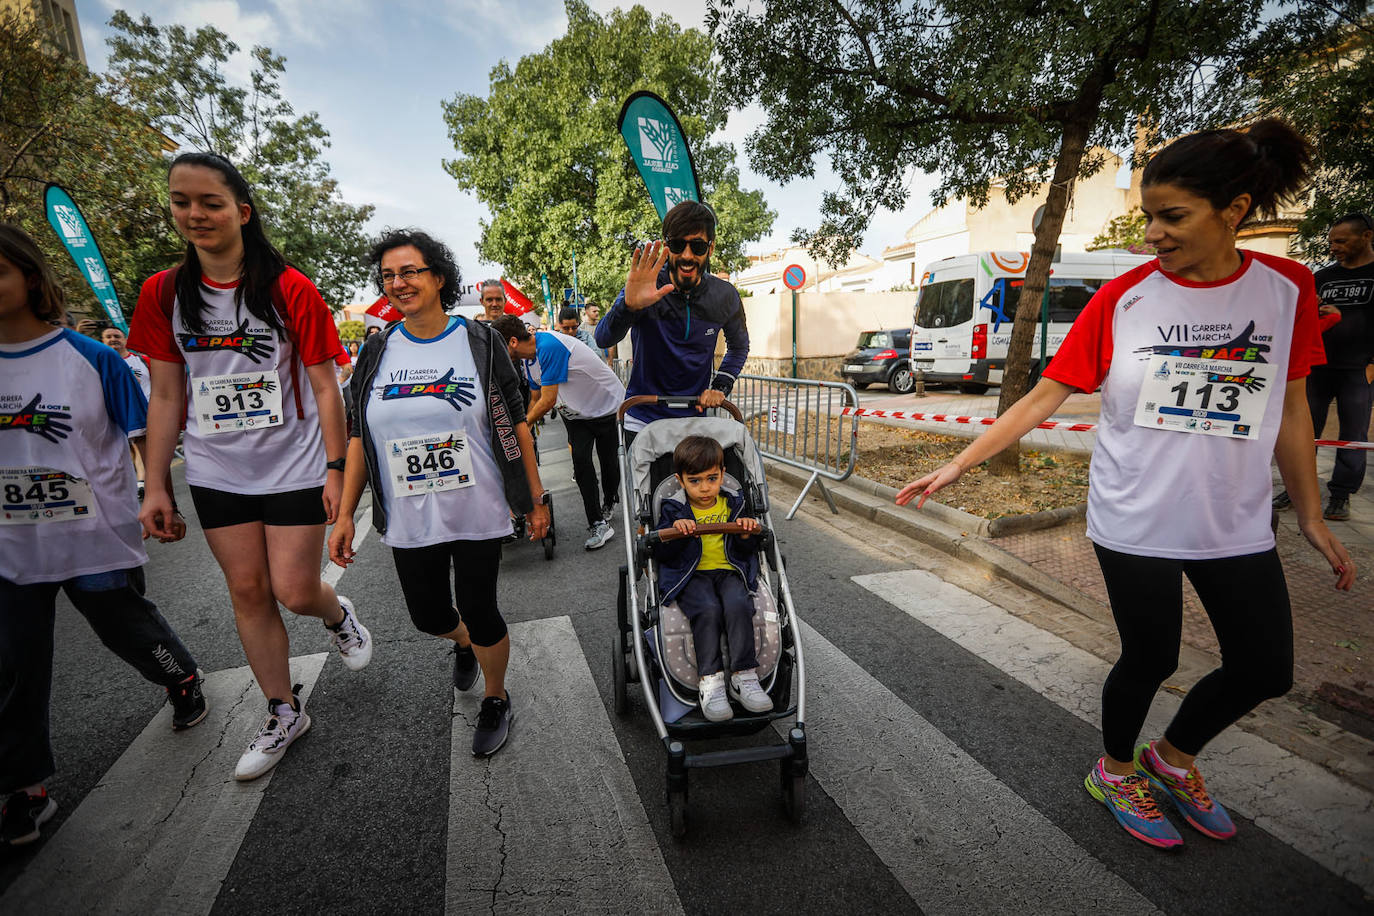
[1345,288]
[674,311]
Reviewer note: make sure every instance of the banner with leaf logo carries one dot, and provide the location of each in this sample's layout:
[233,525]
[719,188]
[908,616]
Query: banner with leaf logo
[659,149]
[66,220]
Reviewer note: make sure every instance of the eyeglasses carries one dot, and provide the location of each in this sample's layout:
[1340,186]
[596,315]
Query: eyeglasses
[408,275]
[699,246]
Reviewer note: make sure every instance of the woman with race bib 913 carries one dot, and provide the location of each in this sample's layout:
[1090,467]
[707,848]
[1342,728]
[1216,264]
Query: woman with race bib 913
[1202,356]
[439,434]
[242,347]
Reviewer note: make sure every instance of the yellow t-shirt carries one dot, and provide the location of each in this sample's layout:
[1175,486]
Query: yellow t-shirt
[713,545]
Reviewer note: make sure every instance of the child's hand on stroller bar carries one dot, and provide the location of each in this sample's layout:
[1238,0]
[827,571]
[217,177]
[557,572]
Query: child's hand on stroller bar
[685,526]
[750,526]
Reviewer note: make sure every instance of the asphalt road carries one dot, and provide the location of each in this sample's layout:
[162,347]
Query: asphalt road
[939,782]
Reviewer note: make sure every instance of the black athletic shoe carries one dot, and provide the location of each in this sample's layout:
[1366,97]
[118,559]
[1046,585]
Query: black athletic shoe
[23,815]
[465,667]
[188,702]
[493,726]
[1337,508]
[1282,501]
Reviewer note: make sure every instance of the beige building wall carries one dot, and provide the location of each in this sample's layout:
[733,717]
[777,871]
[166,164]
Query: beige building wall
[828,324]
[60,15]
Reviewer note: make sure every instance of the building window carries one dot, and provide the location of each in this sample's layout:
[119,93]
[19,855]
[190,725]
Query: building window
[71,32]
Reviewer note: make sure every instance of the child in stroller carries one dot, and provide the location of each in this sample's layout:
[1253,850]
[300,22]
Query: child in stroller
[711,577]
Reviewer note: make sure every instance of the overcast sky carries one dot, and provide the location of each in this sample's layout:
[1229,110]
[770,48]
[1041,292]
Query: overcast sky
[377,70]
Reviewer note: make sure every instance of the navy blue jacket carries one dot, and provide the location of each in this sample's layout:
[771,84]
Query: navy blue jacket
[674,342]
[677,560]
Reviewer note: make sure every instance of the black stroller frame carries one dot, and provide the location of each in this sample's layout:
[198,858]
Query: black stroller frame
[631,662]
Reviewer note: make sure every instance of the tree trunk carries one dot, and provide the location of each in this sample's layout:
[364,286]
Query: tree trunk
[1016,374]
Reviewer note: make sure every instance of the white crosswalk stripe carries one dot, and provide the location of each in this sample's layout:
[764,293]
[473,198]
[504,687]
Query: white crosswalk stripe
[160,831]
[1296,801]
[553,822]
[942,824]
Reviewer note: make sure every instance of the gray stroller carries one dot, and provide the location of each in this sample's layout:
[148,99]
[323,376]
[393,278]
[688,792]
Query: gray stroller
[653,644]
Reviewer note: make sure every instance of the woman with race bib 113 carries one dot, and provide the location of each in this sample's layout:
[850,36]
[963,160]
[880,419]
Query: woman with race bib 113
[242,347]
[1201,355]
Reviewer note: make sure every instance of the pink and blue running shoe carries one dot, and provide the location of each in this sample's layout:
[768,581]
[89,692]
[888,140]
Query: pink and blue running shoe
[1133,807]
[1188,794]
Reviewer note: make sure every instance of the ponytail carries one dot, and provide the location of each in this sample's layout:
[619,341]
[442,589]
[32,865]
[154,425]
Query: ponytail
[1269,161]
[263,264]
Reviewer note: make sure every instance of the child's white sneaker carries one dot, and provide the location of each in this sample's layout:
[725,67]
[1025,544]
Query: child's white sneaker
[715,705]
[744,687]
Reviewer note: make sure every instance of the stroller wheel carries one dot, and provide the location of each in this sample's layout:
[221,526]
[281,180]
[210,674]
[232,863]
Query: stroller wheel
[677,813]
[622,699]
[548,548]
[793,793]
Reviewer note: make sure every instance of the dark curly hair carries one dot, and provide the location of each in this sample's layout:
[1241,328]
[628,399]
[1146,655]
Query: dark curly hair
[437,257]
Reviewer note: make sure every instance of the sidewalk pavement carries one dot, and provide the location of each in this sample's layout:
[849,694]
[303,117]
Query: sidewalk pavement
[1329,715]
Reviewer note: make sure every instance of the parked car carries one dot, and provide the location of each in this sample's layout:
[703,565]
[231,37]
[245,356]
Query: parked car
[881,356]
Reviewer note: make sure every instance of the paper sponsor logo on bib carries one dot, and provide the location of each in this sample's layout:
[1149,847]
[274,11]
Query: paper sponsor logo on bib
[1210,397]
[35,496]
[427,464]
[228,403]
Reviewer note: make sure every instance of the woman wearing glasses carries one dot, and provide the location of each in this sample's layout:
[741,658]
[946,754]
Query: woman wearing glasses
[242,348]
[439,434]
[1180,473]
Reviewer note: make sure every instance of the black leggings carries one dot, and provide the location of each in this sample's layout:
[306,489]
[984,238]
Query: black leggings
[424,575]
[1246,599]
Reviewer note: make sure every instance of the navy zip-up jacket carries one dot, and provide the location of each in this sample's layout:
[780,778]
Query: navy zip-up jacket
[677,560]
[674,342]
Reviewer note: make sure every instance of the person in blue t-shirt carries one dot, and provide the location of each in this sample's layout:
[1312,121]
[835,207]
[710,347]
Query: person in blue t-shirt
[674,315]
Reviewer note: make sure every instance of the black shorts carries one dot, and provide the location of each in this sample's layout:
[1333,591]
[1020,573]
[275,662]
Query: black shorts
[217,509]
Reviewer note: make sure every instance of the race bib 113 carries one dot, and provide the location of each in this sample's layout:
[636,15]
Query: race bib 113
[1209,397]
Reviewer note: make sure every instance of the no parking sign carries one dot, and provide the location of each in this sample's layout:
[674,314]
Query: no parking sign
[794,277]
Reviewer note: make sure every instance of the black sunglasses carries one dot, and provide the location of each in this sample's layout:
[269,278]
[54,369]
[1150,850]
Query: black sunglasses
[699,246]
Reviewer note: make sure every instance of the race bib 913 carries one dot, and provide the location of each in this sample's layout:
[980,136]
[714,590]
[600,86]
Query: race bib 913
[227,403]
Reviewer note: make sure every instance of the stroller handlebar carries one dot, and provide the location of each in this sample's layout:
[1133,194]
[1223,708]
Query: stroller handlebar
[672,534]
[681,402]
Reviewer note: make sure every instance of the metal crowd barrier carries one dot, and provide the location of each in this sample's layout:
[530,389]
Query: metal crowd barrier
[802,423]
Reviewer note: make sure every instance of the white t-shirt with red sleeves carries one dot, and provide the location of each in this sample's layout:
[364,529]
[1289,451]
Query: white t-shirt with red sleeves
[1193,378]
[243,434]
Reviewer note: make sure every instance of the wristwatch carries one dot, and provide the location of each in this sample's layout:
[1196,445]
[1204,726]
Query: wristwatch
[336,465]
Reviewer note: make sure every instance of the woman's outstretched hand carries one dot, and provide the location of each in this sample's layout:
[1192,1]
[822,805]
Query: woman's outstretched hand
[932,482]
[1320,537]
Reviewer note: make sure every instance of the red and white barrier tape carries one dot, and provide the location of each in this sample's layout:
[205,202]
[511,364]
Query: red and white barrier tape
[1048,424]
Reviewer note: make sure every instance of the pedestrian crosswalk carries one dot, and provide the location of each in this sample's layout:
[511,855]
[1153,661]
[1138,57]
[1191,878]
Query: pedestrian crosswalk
[561,821]
[1295,800]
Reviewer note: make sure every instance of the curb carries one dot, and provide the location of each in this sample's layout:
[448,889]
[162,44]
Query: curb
[957,533]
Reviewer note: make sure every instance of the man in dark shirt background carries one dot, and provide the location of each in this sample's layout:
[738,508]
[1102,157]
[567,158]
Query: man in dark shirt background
[1347,285]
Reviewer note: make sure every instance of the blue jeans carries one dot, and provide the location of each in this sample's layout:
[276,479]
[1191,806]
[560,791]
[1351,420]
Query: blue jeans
[126,622]
[1352,394]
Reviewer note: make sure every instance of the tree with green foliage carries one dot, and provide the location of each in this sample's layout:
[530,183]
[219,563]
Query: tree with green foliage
[176,79]
[1126,232]
[58,123]
[542,151]
[1314,66]
[981,92]
[351,330]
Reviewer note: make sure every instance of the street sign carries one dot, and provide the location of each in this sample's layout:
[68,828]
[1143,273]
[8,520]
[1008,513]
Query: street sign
[794,277]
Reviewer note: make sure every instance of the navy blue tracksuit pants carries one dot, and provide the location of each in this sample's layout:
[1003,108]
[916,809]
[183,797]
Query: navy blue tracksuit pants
[716,599]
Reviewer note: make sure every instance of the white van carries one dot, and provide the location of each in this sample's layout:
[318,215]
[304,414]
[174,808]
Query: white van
[961,325]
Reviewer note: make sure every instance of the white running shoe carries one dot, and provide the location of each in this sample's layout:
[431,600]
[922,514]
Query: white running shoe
[601,532]
[715,705]
[351,638]
[282,726]
[745,687]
